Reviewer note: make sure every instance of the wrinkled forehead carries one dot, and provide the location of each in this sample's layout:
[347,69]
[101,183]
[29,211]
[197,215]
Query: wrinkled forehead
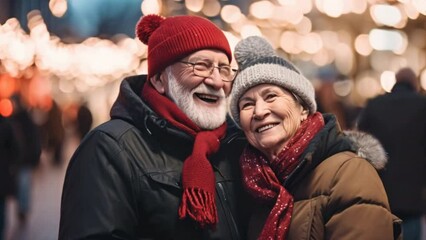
[211,55]
[265,87]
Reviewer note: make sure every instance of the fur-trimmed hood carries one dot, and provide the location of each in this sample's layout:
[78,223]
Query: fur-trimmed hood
[368,147]
[332,140]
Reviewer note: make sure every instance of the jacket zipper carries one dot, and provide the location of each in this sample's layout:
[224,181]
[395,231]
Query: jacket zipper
[227,211]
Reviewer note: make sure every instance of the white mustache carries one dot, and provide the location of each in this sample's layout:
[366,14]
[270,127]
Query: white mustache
[202,88]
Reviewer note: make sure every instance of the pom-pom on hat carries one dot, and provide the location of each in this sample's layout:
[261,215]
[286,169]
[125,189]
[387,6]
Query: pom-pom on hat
[258,63]
[173,38]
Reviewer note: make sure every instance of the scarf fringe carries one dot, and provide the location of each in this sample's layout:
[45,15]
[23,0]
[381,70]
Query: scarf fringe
[199,205]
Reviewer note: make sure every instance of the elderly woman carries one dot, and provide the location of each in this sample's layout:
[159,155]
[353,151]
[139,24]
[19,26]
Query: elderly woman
[312,180]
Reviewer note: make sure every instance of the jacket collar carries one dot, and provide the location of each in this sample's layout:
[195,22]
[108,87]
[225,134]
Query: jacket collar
[332,140]
[130,107]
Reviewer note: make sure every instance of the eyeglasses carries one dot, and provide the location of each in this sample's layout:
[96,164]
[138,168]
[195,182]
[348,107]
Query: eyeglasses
[205,69]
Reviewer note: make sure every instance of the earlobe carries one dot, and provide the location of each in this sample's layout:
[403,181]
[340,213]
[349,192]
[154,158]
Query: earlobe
[158,83]
[304,115]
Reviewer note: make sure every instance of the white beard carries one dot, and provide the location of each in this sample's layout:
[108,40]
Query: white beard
[204,117]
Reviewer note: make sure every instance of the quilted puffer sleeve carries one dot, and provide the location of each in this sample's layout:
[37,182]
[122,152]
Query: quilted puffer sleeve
[358,207]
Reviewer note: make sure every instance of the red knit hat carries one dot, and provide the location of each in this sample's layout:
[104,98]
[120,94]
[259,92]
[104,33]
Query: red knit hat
[173,38]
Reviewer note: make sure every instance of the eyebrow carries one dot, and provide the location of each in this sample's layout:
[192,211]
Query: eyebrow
[268,89]
[261,92]
[207,59]
[245,99]
[198,58]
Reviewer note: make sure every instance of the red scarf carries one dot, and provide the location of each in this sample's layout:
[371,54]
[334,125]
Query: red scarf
[263,179]
[198,180]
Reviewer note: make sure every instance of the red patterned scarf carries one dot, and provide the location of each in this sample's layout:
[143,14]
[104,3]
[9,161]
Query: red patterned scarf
[198,180]
[263,179]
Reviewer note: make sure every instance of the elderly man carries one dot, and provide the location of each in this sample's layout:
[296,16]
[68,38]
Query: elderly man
[164,166]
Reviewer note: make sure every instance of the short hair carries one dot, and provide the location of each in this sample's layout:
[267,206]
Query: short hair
[407,75]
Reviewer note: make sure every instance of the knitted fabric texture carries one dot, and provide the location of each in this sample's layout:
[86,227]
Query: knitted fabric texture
[173,38]
[259,64]
[198,179]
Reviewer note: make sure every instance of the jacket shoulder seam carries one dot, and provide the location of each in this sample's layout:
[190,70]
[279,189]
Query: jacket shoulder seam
[115,128]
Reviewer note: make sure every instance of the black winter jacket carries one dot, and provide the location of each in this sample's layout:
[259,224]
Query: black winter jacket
[398,120]
[9,155]
[124,180]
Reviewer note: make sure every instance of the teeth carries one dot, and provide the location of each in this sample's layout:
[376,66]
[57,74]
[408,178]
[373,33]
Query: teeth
[206,96]
[264,128]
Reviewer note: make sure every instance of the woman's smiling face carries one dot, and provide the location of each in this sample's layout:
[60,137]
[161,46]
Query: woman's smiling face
[269,117]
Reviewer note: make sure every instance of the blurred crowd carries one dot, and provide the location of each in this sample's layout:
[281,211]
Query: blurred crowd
[24,135]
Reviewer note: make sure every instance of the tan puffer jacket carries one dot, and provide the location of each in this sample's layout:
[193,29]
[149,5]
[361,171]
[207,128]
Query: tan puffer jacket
[343,198]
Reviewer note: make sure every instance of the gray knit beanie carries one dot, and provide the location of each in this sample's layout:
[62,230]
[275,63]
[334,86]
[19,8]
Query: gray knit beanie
[258,63]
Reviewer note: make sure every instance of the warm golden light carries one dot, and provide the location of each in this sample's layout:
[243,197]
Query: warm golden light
[194,5]
[211,8]
[6,107]
[362,45]
[311,43]
[382,40]
[367,87]
[250,30]
[411,11]
[151,7]
[420,5]
[288,42]
[262,9]
[316,32]
[344,58]
[387,80]
[58,7]
[343,88]
[7,85]
[323,57]
[384,14]
[330,7]
[304,26]
[359,6]
[231,13]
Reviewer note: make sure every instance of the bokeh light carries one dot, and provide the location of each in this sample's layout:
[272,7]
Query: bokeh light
[387,80]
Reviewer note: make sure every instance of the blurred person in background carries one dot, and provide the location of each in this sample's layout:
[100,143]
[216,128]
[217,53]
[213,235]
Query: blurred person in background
[28,137]
[53,133]
[84,121]
[398,120]
[311,180]
[164,166]
[326,97]
[9,155]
